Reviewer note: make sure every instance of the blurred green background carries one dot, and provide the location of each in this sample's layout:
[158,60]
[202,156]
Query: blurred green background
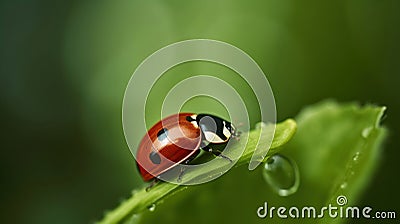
[65,66]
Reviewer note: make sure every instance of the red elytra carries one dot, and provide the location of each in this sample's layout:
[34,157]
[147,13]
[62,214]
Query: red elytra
[168,143]
[178,139]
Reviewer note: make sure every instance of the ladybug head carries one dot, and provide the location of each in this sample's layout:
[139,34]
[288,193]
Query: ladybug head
[215,129]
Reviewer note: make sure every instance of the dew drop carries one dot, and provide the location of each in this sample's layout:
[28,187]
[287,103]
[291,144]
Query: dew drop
[356,156]
[343,185]
[152,207]
[282,174]
[260,125]
[135,218]
[366,132]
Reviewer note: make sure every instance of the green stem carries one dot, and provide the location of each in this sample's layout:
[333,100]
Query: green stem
[255,141]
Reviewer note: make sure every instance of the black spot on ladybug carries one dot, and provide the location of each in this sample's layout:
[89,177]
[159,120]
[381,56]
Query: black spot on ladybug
[155,158]
[189,118]
[228,126]
[162,134]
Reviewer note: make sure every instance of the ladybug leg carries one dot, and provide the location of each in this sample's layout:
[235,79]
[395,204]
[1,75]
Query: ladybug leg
[182,171]
[154,182]
[215,152]
[179,179]
[219,153]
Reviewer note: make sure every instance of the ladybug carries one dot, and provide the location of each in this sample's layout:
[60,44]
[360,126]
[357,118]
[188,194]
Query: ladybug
[177,139]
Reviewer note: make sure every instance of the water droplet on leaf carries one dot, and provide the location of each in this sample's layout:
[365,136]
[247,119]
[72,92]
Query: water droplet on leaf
[343,185]
[366,132]
[152,207]
[135,218]
[260,125]
[282,174]
[356,156]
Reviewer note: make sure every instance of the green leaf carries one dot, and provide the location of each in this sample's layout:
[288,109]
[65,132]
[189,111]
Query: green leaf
[337,148]
[257,140]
